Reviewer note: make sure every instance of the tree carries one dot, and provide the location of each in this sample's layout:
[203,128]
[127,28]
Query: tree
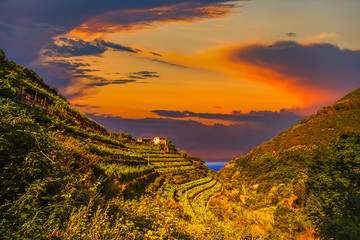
[334,188]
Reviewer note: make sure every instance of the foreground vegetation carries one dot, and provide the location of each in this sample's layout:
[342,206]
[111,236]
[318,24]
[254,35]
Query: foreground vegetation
[64,176]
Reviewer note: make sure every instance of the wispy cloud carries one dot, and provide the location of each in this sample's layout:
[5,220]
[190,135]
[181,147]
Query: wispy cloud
[130,78]
[169,63]
[75,47]
[144,75]
[100,82]
[83,78]
[134,19]
[291,34]
[269,117]
[156,54]
[323,37]
[75,67]
[86,106]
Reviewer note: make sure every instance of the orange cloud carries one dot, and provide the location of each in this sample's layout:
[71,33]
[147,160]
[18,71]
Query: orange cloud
[341,4]
[142,19]
[322,37]
[317,73]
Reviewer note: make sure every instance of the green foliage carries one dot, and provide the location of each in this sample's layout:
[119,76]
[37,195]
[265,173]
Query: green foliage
[114,152]
[54,188]
[6,89]
[189,185]
[160,159]
[32,76]
[187,192]
[171,165]
[271,170]
[33,180]
[125,173]
[334,188]
[171,146]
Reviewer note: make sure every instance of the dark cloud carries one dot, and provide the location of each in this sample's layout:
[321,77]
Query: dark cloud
[140,18]
[134,77]
[119,47]
[33,24]
[68,47]
[156,54]
[291,34]
[213,143]
[144,75]
[252,117]
[62,72]
[104,82]
[167,63]
[86,106]
[75,67]
[316,66]
[43,29]
[72,13]
[66,71]
[23,44]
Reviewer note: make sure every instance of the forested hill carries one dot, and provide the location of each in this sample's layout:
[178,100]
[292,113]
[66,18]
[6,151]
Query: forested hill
[64,176]
[308,177]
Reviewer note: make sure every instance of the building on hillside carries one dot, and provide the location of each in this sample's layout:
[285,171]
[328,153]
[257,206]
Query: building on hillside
[159,140]
[32,97]
[144,140]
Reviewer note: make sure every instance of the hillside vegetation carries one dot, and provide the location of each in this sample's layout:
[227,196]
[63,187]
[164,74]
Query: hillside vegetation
[305,181]
[64,176]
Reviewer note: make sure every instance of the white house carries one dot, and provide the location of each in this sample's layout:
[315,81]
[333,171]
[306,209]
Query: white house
[159,140]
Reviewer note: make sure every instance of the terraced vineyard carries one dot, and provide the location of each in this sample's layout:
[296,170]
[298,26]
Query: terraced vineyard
[194,196]
[165,162]
[199,203]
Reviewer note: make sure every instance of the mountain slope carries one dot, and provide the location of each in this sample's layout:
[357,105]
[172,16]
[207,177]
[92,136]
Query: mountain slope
[295,176]
[64,176]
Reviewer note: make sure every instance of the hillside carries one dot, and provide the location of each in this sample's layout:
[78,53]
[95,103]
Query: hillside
[64,176]
[307,178]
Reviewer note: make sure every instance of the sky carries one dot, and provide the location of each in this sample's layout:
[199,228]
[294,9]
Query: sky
[215,77]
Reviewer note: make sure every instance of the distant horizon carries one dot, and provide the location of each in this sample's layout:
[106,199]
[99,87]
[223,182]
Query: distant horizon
[216,165]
